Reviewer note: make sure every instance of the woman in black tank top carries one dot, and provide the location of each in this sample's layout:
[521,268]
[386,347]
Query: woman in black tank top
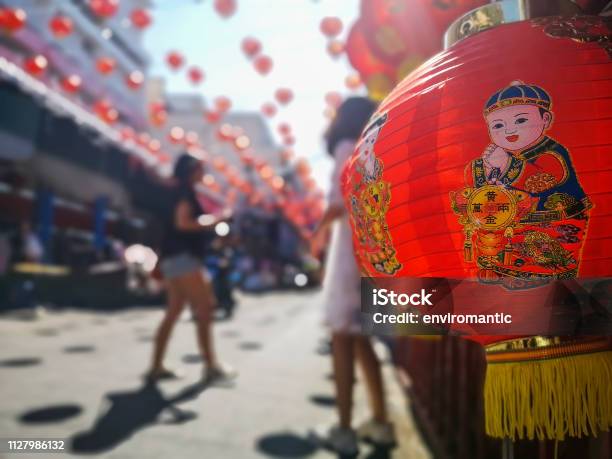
[186,280]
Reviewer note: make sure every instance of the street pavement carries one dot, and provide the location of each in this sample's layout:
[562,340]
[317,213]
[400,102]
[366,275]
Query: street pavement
[77,376]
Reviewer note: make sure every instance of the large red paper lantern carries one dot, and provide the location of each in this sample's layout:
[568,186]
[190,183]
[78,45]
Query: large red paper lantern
[403,31]
[61,26]
[140,18]
[12,19]
[251,47]
[378,75]
[36,65]
[105,65]
[104,8]
[263,64]
[225,8]
[175,60]
[498,182]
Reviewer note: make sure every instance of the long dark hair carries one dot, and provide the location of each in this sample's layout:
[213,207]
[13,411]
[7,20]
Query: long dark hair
[184,168]
[351,118]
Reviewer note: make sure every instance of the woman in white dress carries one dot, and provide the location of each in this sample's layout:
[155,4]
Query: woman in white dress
[342,297]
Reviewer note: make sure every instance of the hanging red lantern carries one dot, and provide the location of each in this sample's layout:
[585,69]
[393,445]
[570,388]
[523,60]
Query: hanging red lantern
[289,140]
[379,76]
[140,18]
[175,60]
[283,95]
[212,116]
[268,109]
[36,65]
[158,114]
[71,83]
[333,99]
[135,80]
[263,64]
[104,8]
[127,133]
[225,8]
[195,74]
[498,182]
[284,129]
[251,47]
[105,111]
[353,81]
[191,139]
[335,48]
[225,132]
[105,65]
[176,135]
[12,19]
[61,26]
[331,26]
[223,104]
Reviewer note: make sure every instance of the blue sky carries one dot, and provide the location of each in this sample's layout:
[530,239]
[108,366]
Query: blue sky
[289,32]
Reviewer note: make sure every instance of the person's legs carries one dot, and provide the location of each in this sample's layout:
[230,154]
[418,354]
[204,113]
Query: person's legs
[176,301]
[344,363]
[200,295]
[373,377]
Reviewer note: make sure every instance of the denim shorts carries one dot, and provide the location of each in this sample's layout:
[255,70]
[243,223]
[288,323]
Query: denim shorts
[180,264]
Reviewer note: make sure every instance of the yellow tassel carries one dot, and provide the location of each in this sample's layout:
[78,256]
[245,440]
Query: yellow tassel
[549,399]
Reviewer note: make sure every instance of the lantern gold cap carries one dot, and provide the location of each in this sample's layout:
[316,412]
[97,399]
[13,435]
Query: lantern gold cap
[485,17]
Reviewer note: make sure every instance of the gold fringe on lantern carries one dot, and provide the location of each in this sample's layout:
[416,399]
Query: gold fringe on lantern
[554,392]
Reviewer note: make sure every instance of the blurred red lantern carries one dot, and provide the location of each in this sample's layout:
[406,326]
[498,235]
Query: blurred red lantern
[283,95]
[158,114]
[127,133]
[302,167]
[284,129]
[176,135]
[154,145]
[286,155]
[135,79]
[212,116]
[225,132]
[105,65]
[191,138]
[263,64]
[195,74]
[409,31]
[223,104]
[331,26]
[289,140]
[175,60]
[12,19]
[379,77]
[36,65]
[225,8]
[105,111]
[251,47]
[353,81]
[104,8]
[61,26]
[71,83]
[268,109]
[220,164]
[140,18]
[486,181]
[335,48]
[143,139]
[333,99]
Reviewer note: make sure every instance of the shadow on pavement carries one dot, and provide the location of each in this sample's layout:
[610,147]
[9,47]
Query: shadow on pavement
[50,414]
[79,349]
[131,411]
[285,444]
[323,400]
[20,362]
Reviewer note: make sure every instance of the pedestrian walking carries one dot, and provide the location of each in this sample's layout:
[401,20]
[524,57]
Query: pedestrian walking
[185,238]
